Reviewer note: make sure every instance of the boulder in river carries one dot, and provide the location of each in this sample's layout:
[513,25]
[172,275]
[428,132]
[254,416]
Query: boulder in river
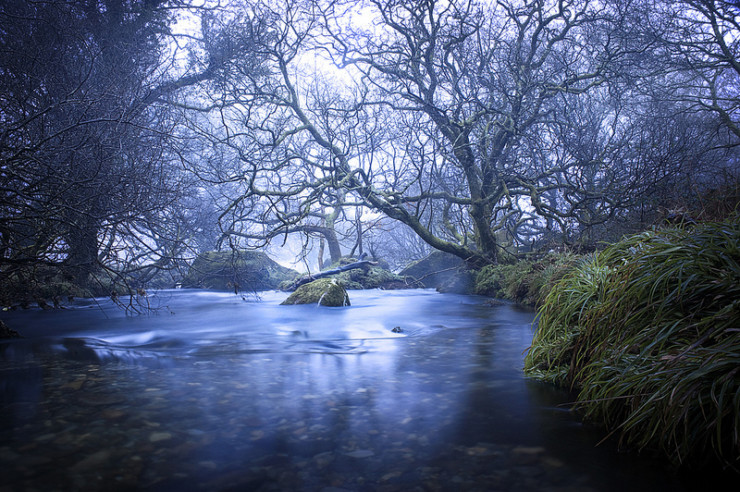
[374,276]
[236,271]
[324,291]
[441,271]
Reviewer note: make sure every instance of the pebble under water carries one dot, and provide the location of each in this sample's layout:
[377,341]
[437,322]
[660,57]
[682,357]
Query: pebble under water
[210,391]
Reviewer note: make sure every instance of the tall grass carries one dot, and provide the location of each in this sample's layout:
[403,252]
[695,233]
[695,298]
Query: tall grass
[649,332]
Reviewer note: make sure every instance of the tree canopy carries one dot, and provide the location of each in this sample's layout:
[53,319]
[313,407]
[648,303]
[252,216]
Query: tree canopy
[138,134]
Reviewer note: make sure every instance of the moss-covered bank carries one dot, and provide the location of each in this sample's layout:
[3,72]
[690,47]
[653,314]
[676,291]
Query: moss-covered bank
[648,332]
[525,282]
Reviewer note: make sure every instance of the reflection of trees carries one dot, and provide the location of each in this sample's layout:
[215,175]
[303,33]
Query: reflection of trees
[495,405]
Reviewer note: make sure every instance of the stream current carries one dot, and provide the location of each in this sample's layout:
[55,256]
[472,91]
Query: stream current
[212,391]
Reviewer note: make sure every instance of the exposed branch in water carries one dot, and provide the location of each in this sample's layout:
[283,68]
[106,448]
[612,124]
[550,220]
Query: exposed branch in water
[360,263]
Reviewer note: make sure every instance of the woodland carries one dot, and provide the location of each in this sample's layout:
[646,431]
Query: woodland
[137,135]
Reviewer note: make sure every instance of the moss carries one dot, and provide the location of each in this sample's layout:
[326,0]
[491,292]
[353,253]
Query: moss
[526,282]
[324,291]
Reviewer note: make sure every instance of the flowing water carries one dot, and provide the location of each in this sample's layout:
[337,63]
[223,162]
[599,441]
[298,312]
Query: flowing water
[211,391]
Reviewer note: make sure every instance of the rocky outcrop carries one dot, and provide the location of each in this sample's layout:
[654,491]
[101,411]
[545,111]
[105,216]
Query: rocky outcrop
[324,292]
[441,271]
[236,271]
[376,276]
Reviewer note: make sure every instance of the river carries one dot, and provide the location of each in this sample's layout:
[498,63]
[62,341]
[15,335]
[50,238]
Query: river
[212,391]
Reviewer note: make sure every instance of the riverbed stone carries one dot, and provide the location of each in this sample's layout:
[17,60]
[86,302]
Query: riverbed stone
[159,436]
[324,291]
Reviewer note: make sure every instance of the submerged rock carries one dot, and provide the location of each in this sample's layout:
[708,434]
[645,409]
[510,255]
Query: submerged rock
[236,271]
[324,291]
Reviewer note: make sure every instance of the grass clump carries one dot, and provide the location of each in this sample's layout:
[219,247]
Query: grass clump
[649,332]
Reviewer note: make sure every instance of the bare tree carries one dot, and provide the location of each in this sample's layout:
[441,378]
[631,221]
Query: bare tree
[89,167]
[443,126]
[480,126]
[701,39]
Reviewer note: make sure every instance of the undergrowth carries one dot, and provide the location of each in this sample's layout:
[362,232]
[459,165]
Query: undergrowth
[526,282]
[648,331]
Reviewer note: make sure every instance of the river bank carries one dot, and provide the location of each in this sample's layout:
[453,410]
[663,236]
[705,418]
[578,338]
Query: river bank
[648,332]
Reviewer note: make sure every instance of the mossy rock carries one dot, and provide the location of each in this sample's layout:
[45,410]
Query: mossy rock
[324,291]
[460,283]
[367,277]
[236,271]
[441,271]
[374,277]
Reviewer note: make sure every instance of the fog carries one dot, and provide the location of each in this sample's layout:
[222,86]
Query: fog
[137,136]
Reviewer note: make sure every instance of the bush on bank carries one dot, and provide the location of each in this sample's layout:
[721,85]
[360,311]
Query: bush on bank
[648,331]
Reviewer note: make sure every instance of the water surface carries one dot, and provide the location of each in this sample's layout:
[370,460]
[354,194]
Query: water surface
[211,391]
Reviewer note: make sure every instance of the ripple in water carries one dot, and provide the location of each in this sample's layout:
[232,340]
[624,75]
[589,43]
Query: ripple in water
[214,392]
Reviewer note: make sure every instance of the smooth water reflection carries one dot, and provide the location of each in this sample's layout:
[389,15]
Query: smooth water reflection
[213,392]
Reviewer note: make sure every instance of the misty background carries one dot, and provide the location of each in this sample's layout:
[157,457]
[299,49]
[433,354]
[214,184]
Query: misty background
[137,135]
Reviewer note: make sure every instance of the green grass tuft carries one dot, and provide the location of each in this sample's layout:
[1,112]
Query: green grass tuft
[649,332]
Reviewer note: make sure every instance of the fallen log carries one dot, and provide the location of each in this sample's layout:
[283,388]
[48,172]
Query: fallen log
[360,263]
